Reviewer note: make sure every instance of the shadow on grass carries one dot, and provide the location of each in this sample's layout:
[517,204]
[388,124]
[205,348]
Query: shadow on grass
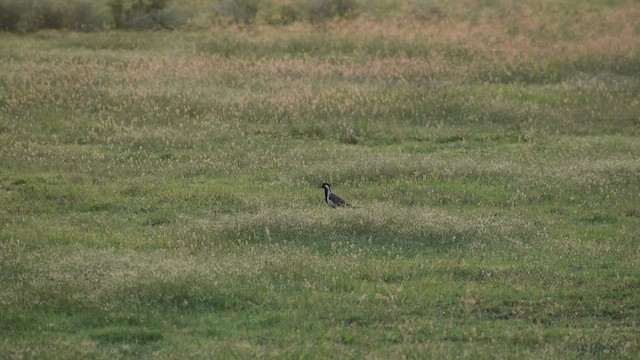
[126,334]
[404,232]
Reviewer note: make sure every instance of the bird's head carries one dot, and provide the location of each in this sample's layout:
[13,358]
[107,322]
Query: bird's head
[326,186]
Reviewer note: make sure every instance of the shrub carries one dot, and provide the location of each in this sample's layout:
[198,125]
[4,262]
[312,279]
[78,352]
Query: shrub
[42,15]
[144,14]
[283,14]
[240,11]
[82,15]
[427,11]
[323,10]
[10,14]
[85,15]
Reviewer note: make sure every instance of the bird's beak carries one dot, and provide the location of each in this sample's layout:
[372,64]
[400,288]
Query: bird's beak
[320,187]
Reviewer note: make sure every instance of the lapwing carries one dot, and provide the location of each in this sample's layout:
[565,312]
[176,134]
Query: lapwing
[332,199]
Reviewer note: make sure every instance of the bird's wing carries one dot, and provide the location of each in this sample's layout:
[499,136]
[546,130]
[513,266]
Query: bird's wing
[338,201]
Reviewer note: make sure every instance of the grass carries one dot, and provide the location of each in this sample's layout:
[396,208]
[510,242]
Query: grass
[159,189]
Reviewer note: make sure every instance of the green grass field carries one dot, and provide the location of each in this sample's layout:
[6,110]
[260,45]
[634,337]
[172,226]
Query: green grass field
[158,190]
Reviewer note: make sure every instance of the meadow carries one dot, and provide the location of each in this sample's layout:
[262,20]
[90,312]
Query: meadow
[158,189]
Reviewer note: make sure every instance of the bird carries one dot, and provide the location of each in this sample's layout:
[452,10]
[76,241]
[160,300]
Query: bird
[333,200]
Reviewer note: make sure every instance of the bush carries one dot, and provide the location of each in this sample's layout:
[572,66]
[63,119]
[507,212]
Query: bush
[42,15]
[93,15]
[144,14]
[284,14]
[10,15]
[323,10]
[240,11]
[85,15]
[82,15]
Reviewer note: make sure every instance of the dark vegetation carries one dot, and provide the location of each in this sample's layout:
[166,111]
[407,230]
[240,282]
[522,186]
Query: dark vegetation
[95,15]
